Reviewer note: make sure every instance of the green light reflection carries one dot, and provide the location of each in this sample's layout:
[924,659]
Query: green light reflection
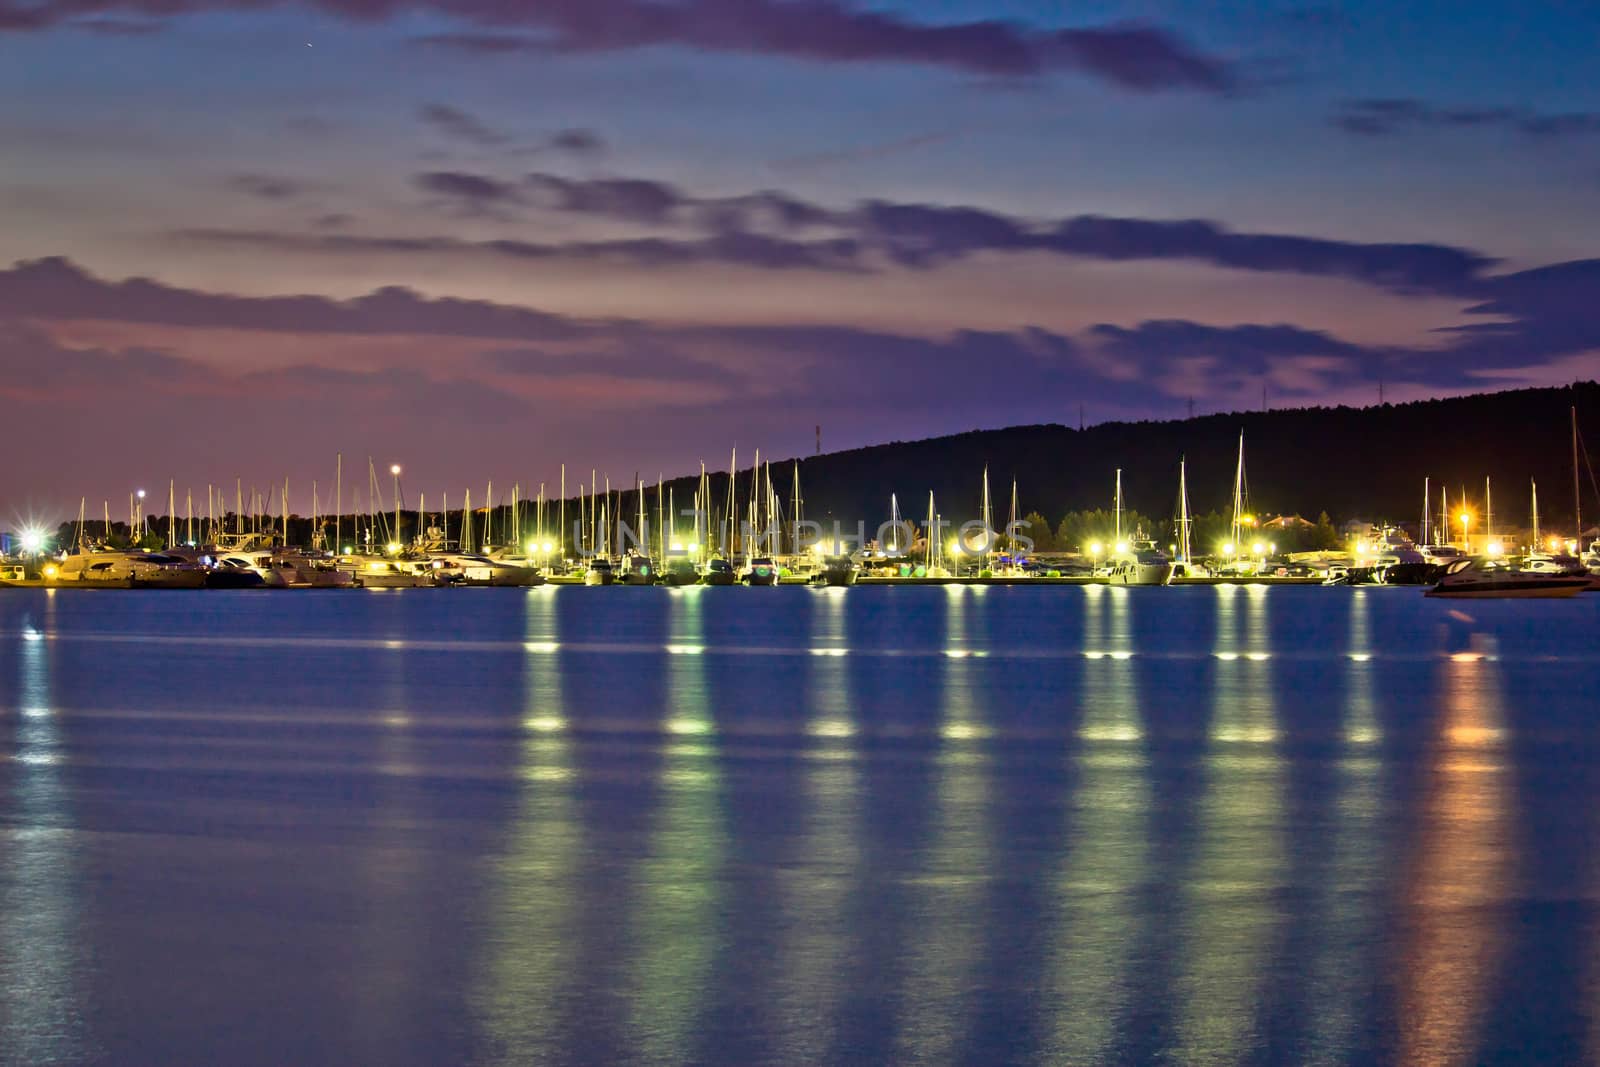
[1349,907]
[1229,920]
[538,885]
[675,922]
[1106,859]
[816,943]
[947,900]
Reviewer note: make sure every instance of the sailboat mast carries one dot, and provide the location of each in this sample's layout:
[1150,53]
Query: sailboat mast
[1427,505]
[1488,516]
[1577,497]
[1183,511]
[338,499]
[1119,506]
[1535,486]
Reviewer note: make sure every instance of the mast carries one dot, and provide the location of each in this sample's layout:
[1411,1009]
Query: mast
[83,504]
[1488,516]
[1535,486]
[988,519]
[1236,528]
[894,523]
[733,503]
[172,513]
[796,512]
[1118,539]
[1577,498]
[933,531]
[338,500]
[1183,510]
[466,521]
[1427,519]
[662,507]
[1011,523]
[285,517]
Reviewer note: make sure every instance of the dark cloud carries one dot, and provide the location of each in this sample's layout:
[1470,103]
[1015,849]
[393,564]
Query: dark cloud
[1138,57]
[456,124]
[1249,348]
[58,289]
[630,199]
[268,186]
[469,193]
[578,142]
[1391,116]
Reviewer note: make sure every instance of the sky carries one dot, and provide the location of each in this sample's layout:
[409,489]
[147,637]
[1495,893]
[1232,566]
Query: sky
[482,238]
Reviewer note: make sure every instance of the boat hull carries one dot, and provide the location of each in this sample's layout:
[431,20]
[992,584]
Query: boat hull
[1511,590]
[1142,574]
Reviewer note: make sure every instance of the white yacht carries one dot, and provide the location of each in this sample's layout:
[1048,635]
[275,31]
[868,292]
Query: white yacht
[130,570]
[1486,578]
[638,570]
[289,570]
[467,568]
[599,572]
[1139,563]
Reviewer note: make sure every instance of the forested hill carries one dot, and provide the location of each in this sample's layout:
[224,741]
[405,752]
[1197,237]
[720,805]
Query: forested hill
[1350,462]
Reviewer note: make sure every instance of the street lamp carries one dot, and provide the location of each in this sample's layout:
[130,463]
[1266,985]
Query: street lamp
[1466,520]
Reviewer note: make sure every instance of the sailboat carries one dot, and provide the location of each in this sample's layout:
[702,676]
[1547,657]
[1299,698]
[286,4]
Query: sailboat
[1136,560]
[1184,565]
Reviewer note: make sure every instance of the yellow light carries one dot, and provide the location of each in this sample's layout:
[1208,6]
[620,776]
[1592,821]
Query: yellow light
[1464,519]
[1122,547]
[1227,549]
[394,469]
[819,549]
[1572,546]
[677,546]
[533,548]
[953,548]
[1249,520]
[394,548]
[1555,544]
[348,550]
[1272,546]
[692,547]
[1095,548]
[50,572]
[1258,548]
[1496,548]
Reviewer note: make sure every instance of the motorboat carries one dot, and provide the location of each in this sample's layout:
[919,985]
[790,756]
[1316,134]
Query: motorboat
[467,568]
[378,573]
[1140,564]
[835,570]
[130,570]
[719,571]
[680,570]
[1485,578]
[12,573]
[761,570]
[290,570]
[638,570]
[599,572]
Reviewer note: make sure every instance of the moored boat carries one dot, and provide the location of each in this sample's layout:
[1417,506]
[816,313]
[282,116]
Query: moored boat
[1483,579]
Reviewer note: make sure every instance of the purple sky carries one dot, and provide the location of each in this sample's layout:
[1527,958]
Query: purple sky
[485,237]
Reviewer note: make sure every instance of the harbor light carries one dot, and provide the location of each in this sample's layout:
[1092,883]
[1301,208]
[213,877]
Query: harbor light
[140,494]
[692,547]
[32,541]
[533,548]
[549,548]
[1555,544]
[677,546]
[394,548]
[1122,548]
[1227,549]
[50,571]
[1272,547]
[1496,548]
[1095,548]
[394,469]
[1258,548]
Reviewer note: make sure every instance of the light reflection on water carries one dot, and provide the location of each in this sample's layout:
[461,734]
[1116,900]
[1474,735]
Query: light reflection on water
[1206,825]
[1461,869]
[40,999]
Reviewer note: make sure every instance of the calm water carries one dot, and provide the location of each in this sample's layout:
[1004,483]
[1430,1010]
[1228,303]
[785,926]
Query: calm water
[792,826]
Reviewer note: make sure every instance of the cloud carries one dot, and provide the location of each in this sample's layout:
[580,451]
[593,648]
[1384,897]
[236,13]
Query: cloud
[578,142]
[473,194]
[56,288]
[1142,58]
[926,235]
[1386,117]
[268,186]
[456,124]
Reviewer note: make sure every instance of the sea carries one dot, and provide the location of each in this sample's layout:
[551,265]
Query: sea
[792,826]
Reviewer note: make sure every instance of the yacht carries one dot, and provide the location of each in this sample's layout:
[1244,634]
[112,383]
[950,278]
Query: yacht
[835,570]
[1142,563]
[1484,578]
[599,572]
[719,571]
[130,570]
[468,568]
[278,569]
[376,572]
[761,570]
[638,570]
[680,570]
[12,573]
